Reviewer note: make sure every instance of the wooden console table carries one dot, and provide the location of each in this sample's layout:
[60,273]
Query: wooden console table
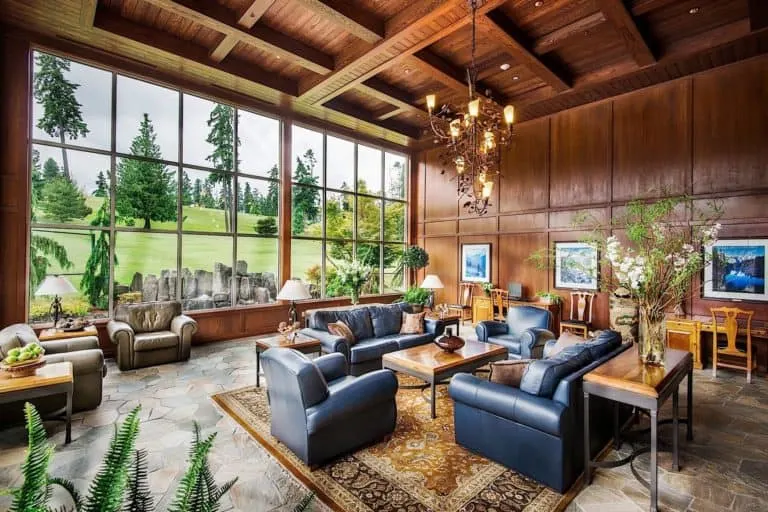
[482,309]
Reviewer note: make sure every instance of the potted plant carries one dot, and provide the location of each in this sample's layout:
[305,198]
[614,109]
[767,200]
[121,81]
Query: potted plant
[417,298]
[549,298]
[412,258]
[352,275]
[487,288]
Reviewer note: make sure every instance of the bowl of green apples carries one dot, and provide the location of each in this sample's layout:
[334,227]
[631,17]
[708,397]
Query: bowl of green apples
[24,361]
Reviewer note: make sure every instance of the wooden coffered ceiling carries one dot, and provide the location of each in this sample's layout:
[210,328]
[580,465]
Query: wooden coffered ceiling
[367,64]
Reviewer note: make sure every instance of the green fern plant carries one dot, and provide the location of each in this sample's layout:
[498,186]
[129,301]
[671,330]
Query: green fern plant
[303,505]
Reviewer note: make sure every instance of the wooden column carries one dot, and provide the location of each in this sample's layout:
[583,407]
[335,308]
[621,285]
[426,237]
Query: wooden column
[286,171]
[14,177]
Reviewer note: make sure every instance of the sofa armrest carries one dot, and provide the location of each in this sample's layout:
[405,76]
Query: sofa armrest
[532,342]
[536,412]
[70,345]
[332,366]
[83,361]
[434,326]
[366,391]
[184,327]
[329,342]
[119,331]
[549,346]
[488,328]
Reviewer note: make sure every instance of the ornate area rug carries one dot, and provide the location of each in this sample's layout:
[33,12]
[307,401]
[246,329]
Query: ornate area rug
[419,468]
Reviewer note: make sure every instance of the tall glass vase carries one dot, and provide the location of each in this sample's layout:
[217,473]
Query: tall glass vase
[354,295]
[651,337]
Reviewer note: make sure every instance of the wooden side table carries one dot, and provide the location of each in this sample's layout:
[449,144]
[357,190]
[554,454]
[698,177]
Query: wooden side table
[58,334]
[449,319]
[303,343]
[51,379]
[625,380]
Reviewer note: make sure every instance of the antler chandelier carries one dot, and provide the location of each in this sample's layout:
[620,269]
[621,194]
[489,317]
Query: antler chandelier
[473,137]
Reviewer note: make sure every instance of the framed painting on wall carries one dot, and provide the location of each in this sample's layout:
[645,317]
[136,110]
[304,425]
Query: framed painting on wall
[576,266]
[476,263]
[736,270]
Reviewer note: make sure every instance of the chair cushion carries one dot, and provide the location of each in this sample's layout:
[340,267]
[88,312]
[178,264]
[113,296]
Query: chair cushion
[359,322]
[15,336]
[341,329]
[509,372]
[413,323]
[520,318]
[510,341]
[386,320]
[544,375]
[413,340]
[148,316]
[146,341]
[605,342]
[370,349]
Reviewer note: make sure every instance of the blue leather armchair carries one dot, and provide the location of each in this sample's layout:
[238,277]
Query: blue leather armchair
[538,430]
[525,332]
[319,411]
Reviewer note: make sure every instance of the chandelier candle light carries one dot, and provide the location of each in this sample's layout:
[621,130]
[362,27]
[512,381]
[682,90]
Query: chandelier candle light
[473,138]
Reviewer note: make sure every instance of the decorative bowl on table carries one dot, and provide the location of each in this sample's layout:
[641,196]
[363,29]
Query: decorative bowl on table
[73,325]
[448,342]
[24,361]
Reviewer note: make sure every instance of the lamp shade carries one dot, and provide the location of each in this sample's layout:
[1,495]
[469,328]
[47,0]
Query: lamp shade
[432,282]
[293,289]
[55,285]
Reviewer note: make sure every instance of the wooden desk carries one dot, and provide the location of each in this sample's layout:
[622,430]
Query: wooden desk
[482,309]
[624,379]
[58,334]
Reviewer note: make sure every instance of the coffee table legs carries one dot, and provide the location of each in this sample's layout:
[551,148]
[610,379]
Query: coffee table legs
[432,386]
[654,479]
[689,412]
[587,456]
[258,368]
[68,436]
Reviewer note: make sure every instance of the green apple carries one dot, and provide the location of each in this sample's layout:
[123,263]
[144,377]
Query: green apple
[14,352]
[11,359]
[25,356]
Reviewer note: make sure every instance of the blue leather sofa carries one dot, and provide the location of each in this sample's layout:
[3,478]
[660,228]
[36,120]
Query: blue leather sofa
[320,412]
[377,329]
[524,334]
[538,429]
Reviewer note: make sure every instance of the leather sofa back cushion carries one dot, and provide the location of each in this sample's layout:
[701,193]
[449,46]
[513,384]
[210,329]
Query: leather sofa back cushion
[566,339]
[321,319]
[15,336]
[359,322]
[544,375]
[509,372]
[149,316]
[413,323]
[520,318]
[386,319]
[341,329]
[605,342]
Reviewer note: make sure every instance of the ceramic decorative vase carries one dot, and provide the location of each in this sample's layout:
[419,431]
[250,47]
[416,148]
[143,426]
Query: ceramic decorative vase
[448,342]
[651,337]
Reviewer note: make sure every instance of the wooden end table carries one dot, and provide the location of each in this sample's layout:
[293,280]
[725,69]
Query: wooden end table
[449,319]
[58,334]
[303,343]
[51,379]
[432,364]
[624,379]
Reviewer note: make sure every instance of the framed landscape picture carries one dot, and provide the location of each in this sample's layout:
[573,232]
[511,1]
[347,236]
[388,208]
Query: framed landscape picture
[736,270]
[476,263]
[576,265]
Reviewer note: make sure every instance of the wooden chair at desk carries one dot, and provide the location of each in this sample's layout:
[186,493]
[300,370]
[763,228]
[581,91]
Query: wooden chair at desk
[580,319]
[499,298]
[730,326]
[464,307]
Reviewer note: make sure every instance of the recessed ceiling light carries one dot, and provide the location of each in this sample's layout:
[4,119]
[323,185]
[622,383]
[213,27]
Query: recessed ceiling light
[515,77]
[538,3]
[406,71]
[505,66]
[693,10]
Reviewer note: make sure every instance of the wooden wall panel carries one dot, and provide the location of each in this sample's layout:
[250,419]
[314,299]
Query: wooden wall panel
[571,219]
[652,142]
[443,261]
[525,169]
[730,127]
[478,225]
[523,222]
[514,265]
[580,171]
[440,191]
[445,227]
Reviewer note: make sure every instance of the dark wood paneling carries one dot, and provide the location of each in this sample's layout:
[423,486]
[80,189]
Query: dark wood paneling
[440,192]
[736,209]
[523,222]
[652,142]
[443,261]
[478,225]
[572,219]
[445,227]
[517,249]
[730,123]
[581,165]
[525,169]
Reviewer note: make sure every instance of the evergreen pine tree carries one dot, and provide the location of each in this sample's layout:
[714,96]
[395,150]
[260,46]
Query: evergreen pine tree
[240,198]
[145,190]
[269,206]
[306,198]
[62,116]
[187,194]
[102,188]
[63,201]
[197,191]
[247,202]
[38,182]
[51,170]
[206,197]
[222,134]
[95,280]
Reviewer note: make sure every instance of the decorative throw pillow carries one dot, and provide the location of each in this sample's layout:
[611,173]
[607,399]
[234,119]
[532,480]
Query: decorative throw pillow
[509,372]
[341,329]
[413,323]
[566,340]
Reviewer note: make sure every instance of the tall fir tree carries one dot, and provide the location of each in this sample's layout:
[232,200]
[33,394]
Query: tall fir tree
[187,193]
[145,190]
[62,114]
[38,182]
[305,199]
[206,196]
[248,198]
[63,201]
[95,280]
[51,170]
[197,191]
[102,187]
[222,136]
[269,206]
[41,250]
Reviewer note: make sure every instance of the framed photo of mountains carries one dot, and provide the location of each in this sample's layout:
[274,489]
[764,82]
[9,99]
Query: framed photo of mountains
[736,270]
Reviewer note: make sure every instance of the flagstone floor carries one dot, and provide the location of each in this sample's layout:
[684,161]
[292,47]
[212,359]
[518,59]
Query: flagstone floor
[725,468]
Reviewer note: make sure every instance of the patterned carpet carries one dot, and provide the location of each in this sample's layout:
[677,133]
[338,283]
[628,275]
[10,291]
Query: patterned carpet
[418,469]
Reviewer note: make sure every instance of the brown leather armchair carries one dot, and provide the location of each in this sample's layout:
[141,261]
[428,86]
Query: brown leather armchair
[87,367]
[151,333]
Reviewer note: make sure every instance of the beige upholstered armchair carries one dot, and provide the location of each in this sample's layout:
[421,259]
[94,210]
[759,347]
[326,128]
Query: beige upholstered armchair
[151,333]
[88,368]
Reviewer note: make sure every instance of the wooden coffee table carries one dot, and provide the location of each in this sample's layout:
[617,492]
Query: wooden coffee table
[432,364]
[303,343]
[51,379]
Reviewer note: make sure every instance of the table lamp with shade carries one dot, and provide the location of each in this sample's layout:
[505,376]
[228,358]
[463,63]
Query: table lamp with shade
[55,286]
[293,290]
[432,282]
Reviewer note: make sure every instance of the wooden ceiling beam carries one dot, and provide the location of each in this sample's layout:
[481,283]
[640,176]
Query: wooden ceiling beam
[557,38]
[88,12]
[345,107]
[346,15]
[404,37]
[387,113]
[247,19]
[758,15]
[499,29]
[646,6]
[618,16]
[217,17]
[155,38]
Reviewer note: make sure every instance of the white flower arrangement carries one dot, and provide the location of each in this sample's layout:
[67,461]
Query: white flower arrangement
[353,275]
